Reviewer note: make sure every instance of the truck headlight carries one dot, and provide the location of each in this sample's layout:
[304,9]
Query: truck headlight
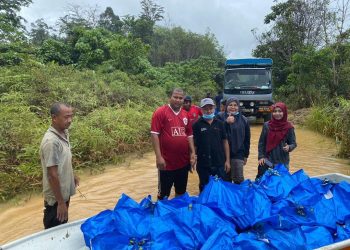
[241,104]
[251,104]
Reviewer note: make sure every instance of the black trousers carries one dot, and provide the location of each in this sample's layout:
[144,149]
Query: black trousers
[50,215]
[205,172]
[168,178]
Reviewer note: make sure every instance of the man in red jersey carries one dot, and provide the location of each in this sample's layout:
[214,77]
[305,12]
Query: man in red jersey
[172,139]
[194,112]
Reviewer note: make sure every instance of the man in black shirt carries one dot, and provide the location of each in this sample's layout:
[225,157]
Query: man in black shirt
[210,139]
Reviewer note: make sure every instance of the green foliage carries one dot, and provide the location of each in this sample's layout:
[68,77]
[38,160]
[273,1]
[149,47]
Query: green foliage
[20,130]
[176,45]
[109,21]
[55,51]
[91,48]
[39,32]
[10,21]
[127,54]
[333,119]
[307,84]
[151,11]
[106,133]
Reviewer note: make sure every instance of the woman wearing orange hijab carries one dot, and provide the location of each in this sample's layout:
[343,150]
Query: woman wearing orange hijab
[277,139]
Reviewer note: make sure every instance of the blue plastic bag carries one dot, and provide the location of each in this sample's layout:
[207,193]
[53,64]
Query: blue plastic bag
[341,197]
[225,198]
[317,236]
[114,241]
[132,219]
[189,228]
[256,206]
[165,206]
[98,224]
[277,183]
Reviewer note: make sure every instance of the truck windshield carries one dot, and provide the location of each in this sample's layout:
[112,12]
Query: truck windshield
[244,78]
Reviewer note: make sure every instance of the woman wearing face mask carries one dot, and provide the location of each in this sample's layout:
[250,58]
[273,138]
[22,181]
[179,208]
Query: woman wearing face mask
[210,140]
[238,134]
[277,139]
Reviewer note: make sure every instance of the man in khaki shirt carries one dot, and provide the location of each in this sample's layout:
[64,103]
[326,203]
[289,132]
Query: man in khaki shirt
[59,181]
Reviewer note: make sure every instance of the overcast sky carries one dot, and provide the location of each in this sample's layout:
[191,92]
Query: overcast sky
[230,20]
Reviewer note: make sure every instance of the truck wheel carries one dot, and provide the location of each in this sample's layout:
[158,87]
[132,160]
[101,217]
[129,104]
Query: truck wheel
[267,117]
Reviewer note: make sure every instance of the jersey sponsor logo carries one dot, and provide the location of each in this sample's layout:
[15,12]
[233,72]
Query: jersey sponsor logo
[185,120]
[178,131]
[203,129]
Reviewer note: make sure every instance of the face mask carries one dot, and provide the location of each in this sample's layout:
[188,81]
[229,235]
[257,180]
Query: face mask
[208,117]
[234,113]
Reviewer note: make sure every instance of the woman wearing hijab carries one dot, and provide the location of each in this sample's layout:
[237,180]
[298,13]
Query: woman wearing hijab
[238,135]
[277,139]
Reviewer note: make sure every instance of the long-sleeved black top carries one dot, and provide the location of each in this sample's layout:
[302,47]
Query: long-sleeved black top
[238,136]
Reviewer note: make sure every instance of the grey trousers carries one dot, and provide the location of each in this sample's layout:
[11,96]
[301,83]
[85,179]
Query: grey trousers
[237,170]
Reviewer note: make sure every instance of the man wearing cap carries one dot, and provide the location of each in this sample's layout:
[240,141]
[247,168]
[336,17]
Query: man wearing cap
[210,140]
[193,111]
[172,139]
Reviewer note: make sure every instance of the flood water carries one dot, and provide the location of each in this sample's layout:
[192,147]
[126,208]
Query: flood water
[137,177]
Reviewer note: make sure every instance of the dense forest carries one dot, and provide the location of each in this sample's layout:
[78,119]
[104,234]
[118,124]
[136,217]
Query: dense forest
[115,71]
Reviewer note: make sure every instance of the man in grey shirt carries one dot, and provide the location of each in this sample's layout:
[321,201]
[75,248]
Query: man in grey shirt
[59,182]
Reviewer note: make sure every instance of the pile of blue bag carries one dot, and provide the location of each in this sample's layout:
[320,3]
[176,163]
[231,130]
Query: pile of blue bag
[279,211]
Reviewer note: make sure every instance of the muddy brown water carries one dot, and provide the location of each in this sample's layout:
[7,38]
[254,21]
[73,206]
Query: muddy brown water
[137,177]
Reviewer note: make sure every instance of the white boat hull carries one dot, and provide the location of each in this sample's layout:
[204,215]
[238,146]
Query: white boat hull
[64,237]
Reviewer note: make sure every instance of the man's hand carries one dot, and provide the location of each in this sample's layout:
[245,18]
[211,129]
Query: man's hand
[261,161]
[76,181]
[62,212]
[245,161]
[160,163]
[286,148]
[193,161]
[227,167]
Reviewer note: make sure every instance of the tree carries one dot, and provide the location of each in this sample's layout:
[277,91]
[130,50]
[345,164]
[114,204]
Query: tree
[55,51]
[109,21]
[151,11]
[296,24]
[78,16]
[127,54]
[10,21]
[91,48]
[40,32]
[139,28]
[176,44]
[335,35]
[143,26]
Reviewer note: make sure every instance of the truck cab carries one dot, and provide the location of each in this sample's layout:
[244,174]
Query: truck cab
[250,81]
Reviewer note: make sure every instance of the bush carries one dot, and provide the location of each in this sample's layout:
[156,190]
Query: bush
[333,119]
[20,134]
[107,133]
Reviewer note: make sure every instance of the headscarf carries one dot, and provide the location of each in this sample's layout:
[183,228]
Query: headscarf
[236,131]
[278,129]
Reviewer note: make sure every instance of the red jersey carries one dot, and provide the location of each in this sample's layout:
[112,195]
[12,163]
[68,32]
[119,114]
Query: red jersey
[173,130]
[194,113]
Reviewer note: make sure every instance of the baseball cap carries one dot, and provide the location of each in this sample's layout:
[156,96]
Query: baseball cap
[207,101]
[188,98]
